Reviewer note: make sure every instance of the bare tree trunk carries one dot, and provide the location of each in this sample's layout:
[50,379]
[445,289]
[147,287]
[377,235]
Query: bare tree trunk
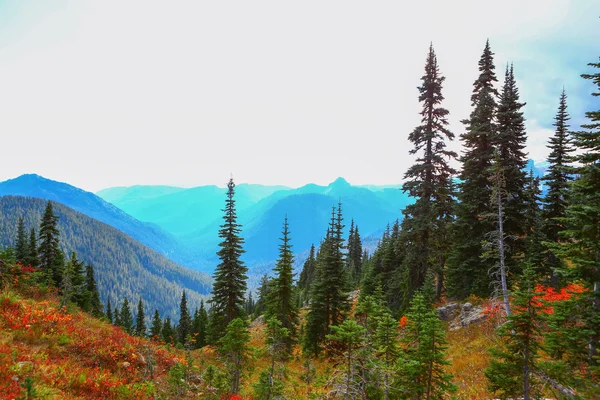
[349,370]
[526,375]
[501,250]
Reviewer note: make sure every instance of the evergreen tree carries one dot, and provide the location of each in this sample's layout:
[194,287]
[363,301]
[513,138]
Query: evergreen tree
[349,334]
[511,370]
[185,320]
[281,304]
[467,270]
[557,179]
[534,237]
[21,250]
[250,305]
[429,181]
[202,339]
[140,320]
[269,386]
[94,303]
[32,250]
[329,298]
[230,275]
[234,346]
[510,143]
[581,240]
[421,372]
[157,326]
[109,312]
[263,295]
[48,249]
[168,334]
[354,258]
[307,276]
[386,348]
[125,317]
[75,272]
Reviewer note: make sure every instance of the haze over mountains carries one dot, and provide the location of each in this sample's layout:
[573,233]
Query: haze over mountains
[182,223]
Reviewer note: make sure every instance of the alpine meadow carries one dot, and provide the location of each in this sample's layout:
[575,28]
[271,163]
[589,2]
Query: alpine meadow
[209,243]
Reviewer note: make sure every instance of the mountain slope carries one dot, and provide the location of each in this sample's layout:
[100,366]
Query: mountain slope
[97,208]
[182,211]
[123,266]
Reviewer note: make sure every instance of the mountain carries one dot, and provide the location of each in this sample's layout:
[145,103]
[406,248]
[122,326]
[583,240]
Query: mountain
[123,266]
[308,209]
[182,211]
[93,206]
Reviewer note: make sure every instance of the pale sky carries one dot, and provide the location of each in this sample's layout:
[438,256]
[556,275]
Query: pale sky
[109,93]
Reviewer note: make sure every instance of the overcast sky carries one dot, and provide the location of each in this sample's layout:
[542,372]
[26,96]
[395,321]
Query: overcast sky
[109,93]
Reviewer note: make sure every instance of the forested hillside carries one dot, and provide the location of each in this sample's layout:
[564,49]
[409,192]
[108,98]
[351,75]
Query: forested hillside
[94,207]
[124,268]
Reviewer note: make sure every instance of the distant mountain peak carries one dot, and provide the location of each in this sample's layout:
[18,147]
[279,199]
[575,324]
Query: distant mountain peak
[340,182]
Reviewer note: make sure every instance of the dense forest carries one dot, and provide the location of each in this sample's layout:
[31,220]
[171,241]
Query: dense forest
[124,268]
[484,234]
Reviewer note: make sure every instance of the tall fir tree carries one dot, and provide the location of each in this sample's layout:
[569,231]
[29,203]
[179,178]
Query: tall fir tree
[156,327]
[94,305]
[329,298]
[21,245]
[511,370]
[202,339]
[557,178]
[281,302]
[229,287]
[467,270]
[168,334]
[429,182]
[510,141]
[109,312]
[140,320]
[581,240]
[234,345]
[421,373]
[48,250]
[307,276]
[185,320]
[354,258]
[32,250]
[125,317]
[534,236]
[75,268]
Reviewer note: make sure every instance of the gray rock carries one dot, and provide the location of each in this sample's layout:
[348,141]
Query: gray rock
[446,313]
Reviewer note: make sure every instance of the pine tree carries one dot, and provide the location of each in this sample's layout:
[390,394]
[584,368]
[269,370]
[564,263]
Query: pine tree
[307,276]
[349,334]
[168,334]
[534,248]
[230,277]
[109,312]
[140,320]
[329,298]
[185,320]
[48,249]
[157,326]
[75,272]
[250,305]
[21,250]
[354,258]
[510,143]
[202,339]
[429,181]
[94,303]
[32,250]
[581,240]
[263,295]
[557,179]
[467,270]
[280,303]
[511,370]
[421,372]
[386,348]
[126,318]
[277,344]
[234,346]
